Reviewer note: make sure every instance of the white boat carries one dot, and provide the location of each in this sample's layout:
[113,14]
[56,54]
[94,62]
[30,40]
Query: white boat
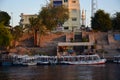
[116,59]
[24,60]
[29,61]
[18,59]
[42,60]
[82,59]
[46,60]
[53,60]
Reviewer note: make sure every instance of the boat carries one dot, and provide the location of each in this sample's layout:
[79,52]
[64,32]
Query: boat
[6,63]
[53,60]
[116,59]
[5,60]
[18,59]
[46,60]
[42,60]
[24,60]
[29,61]
[82,59]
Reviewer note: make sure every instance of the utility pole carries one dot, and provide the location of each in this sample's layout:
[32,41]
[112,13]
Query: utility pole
[93,7]
[12,19]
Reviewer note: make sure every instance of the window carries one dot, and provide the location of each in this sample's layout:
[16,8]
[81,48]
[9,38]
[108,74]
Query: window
[65,0]
[74,19]
[66,28]
[74,10]
[74,1]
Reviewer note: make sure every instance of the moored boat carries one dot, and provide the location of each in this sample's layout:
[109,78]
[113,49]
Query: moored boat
[18,59]
[116,59]
[23,60]
[42,60]
[46,60]
[82,59]
[5,60]
[53,60]
[29,61]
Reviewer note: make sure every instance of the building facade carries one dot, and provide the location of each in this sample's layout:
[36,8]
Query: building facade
[25,19]
[74,13]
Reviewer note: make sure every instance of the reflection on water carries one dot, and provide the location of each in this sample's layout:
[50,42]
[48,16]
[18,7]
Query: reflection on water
[62,72]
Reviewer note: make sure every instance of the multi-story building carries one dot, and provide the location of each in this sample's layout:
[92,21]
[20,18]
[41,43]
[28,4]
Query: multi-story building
[74,13]
[25,19]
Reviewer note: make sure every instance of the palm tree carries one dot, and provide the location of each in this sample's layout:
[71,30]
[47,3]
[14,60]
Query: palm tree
[42,30]
[37,27]
[34,27]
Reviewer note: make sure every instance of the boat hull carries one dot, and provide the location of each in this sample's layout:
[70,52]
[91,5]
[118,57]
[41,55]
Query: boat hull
[6,63]
[29,64]
[84,62]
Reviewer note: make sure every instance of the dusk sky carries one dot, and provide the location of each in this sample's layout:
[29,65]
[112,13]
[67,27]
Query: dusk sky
[33,7]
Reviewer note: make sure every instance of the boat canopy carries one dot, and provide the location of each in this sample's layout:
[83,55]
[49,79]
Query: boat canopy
[75,44]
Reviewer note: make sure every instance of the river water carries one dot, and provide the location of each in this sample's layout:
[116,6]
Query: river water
[108,71]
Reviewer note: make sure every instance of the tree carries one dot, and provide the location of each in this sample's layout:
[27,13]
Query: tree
[37,26]
[42,30]
[5,36]
[47,19]
[53,16]
[34,27]
[101,21]
[4,16]
[17,32]
[116,21]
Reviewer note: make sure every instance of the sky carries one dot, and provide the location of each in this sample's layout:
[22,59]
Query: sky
[15,7]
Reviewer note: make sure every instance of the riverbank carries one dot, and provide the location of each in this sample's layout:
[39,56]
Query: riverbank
[105,41]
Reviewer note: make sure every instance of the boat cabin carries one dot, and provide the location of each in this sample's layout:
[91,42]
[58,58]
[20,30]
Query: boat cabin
[74,48]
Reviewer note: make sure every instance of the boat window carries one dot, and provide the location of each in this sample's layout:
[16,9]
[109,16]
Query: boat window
[116,58]
[82,58]
[89,58]
[74,59]
[61,59]
[77,59]
[95,58]
[66,59]
[70,59]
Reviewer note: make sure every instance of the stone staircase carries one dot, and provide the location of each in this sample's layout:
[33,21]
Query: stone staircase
[101,38]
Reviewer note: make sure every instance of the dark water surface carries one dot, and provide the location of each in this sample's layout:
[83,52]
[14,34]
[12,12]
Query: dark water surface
[109,71]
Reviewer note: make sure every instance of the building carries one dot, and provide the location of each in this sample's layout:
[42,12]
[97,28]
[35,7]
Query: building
[25,19]
[74,13]
[83,18]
